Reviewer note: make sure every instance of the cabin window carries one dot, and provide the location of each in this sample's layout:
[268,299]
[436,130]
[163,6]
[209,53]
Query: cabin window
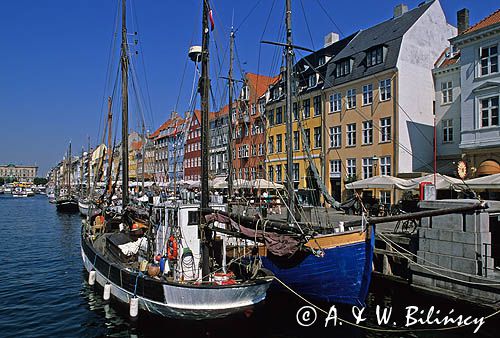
[193,217]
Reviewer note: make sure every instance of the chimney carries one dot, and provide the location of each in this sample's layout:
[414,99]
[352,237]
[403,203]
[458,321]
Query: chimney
[462,20]
[400,10]
[330,39]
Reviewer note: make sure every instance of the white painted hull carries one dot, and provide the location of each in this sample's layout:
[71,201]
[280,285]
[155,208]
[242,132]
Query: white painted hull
[182,301]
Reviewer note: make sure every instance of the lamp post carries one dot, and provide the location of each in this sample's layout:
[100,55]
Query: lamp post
[374,164]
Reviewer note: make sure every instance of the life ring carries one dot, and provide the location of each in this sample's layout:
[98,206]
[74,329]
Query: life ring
[172,248]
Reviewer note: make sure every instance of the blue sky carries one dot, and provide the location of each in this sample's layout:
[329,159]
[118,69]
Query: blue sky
[54,59]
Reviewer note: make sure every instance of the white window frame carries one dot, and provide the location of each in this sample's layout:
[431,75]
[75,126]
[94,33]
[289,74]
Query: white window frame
[312,80]
[446,92]
[491,60]
[335,102]
[367,167]
[350,167]
[385,165]
[385,90]
[335,168]
[351,98]
[367,132]
[447,125]
[351,135]
[490,109]
[336,137]
[367,94]
[385,130]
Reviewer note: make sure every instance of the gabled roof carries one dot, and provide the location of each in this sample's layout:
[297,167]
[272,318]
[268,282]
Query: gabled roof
[491,19]
[258,84]
[444,60]
[174,121]
[388,34]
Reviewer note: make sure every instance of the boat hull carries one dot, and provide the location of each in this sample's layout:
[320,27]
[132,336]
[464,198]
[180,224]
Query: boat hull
[173,300]
[67,206]
[342,275]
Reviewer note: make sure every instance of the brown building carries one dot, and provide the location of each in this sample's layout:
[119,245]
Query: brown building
[249,128]
[192,149]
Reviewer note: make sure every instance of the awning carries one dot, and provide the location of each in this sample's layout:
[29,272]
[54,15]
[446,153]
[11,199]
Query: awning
[488,167]
[443,182]
[379,182]
[261,183]
[485,182]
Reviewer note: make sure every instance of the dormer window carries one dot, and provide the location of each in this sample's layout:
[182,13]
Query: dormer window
[275,93]
[321,60]
[312,81]
[343,68]
[374,56]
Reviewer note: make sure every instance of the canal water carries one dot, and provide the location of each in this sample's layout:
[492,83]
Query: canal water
[43,293]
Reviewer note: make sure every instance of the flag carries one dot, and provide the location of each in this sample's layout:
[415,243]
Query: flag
[211,17]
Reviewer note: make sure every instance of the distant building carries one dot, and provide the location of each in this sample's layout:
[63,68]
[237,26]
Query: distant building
[20,173]
[218,122]
[480,92]
[192,148]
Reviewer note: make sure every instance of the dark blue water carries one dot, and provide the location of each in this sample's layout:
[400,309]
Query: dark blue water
[43,292]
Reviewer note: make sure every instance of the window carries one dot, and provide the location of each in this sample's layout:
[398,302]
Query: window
[270,145]
[489,60]
[385,129]
[254,149]
[306,104]
[317,137]
[295,111]
[245,93]
[385,165]
[296,140]
[335,168]
[270,117]
[254,173]
[279,173]
[295,172]
[335,102]
[270,173]
[262,106]
[261,149]
[321,60]
[367,167]
[253,109]
[193,218]
[367,132]
[279,115]
[489,111]
[367,94]
[351,168]
[307,139]
[351,135]
[374,57]
[317,105]
[343,68]
[447,130]
[385,90]
[351,98]
[446,92]
[335,137]
[385,197]
[279,143]
[312,80]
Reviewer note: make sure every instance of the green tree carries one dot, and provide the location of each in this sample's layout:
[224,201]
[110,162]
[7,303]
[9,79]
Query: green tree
[2,181]
[40,180]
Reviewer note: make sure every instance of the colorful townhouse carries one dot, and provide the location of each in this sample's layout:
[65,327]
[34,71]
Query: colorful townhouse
[248,118]
[218,124]
[380,92]
[192,148]
[308,122]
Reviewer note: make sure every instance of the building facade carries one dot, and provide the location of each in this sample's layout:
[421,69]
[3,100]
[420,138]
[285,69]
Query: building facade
[379,92]
[218,124]
[192,149]
[19,173]
[480,94]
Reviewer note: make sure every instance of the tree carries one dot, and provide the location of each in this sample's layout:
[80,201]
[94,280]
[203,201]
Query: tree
[40,181]
[2,181]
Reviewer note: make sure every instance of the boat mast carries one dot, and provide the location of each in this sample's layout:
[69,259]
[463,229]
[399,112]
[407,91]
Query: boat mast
[289,117]
[81,174]
[89,157]
[230,124]
[69,171]
[204,87]
[143,153]
[124,69]
[110,146]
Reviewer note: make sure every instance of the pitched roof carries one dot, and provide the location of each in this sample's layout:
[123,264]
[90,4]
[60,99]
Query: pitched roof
[444,60]
[491,19]
[388,34]
[174,121]
[259,84]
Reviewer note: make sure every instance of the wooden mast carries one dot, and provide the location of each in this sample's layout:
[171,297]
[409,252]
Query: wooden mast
[110,146]
[289,117]
[89,158]
[69,170]
[124,69]
[204,88]
[230,124]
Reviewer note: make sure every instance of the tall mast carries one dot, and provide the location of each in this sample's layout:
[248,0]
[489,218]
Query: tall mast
[110,146]
[143,153]
[230,124]
[204,87]
[289,117]
[124,68]
[89,157]
[70,168]
[81,174]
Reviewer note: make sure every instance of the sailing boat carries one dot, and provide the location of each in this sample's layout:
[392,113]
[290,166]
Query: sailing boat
[318,263]
[119,250]
[65,201]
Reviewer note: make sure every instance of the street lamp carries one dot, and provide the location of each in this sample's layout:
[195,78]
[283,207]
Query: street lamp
[374,164]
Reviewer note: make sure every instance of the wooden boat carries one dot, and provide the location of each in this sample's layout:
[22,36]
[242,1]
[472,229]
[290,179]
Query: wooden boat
[158,261]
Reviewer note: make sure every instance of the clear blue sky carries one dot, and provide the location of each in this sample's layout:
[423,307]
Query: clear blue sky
[54,58]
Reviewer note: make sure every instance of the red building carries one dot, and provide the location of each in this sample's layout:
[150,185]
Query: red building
[192,149]
[249,128]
